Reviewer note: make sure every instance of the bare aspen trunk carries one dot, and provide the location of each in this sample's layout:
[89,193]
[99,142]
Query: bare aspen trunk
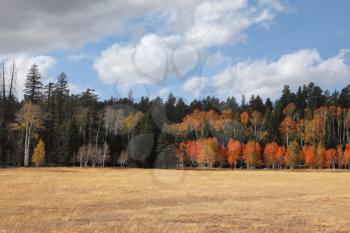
[19,152]
[104,153]
[26,152]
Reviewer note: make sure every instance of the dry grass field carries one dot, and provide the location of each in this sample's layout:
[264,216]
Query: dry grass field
[132,200]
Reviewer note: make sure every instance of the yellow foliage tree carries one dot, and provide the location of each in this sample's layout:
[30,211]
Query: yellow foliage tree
[39,153]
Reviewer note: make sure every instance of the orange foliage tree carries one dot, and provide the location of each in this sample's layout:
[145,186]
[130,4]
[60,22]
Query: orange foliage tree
[252,154]
[310,155]
[222,155]
[191,152]
[347,156]
[340,156]
[270,154]
[287,128]
[288,125]
[331,158]
[234,149]
[280,156]
[244,118]
[321,156]
[207,151]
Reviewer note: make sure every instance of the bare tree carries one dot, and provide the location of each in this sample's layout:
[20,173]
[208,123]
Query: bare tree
[29,118]
[105,155]
[113,120]
[94,155]
[81,154]
[123,159]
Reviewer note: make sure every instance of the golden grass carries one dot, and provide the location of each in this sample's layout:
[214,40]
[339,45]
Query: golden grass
[133,200]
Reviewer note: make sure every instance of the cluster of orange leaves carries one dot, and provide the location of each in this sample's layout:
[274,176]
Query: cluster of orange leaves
[198,120]
[209,151]
[205,150]
[274,154]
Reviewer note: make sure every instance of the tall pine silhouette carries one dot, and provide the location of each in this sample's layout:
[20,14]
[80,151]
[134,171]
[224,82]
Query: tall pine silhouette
[33,85]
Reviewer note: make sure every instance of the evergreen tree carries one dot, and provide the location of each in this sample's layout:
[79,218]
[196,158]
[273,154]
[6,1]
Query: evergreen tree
[180,111]
[33,85]
[170,107]
[256,104]
[88,102]
[344,97]
[231,103]
[164,141]
[50,135]
[314,96]
[167,158]
[61,95]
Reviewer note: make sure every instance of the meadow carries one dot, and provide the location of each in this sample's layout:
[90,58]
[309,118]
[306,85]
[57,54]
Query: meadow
[137,200]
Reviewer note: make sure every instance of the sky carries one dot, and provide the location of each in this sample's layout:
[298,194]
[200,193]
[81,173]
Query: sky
[193,49]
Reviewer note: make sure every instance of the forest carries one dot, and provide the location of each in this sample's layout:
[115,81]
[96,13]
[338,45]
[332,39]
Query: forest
[50,126]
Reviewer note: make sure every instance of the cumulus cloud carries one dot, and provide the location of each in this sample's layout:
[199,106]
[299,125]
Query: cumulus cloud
[23,63]
[145,63]
[196,85]
[195,28]
[267,78]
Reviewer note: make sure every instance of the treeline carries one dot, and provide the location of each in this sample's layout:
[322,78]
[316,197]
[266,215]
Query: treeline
[53,127]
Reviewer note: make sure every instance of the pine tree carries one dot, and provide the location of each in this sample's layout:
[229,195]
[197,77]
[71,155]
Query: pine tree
[170,107]
[180,110]
[33,85]
[50,136]
[61,95]
[344,97]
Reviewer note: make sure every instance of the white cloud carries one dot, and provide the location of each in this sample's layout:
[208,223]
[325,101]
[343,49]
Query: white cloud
[23,63]
[199,26]
[220,22]
[145,63]
[267,78]
[184,59]
[195,85]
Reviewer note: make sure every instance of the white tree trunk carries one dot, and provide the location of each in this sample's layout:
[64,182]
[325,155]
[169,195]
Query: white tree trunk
[26,148]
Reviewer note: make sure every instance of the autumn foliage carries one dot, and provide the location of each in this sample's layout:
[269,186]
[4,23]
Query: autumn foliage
[234,149]
[39,153]
[209,152]
[215,142]
[347,156]
[252,154]
[274,155]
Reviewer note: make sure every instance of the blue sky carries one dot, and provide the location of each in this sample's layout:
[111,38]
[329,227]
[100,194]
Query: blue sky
[220,48]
